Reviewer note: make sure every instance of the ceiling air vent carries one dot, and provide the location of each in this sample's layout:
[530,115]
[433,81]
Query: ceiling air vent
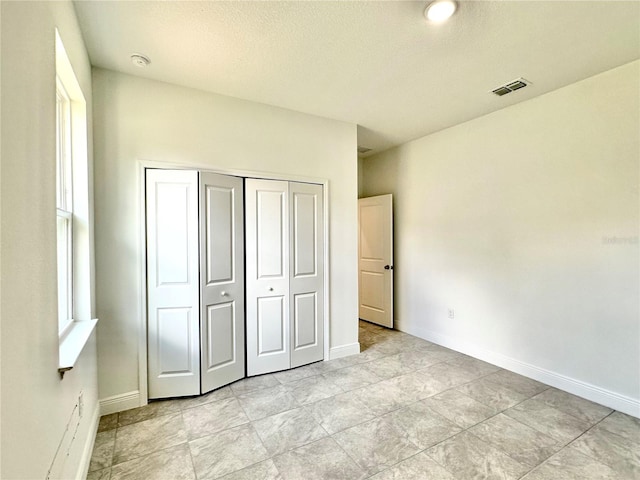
[363,149]
[511,87]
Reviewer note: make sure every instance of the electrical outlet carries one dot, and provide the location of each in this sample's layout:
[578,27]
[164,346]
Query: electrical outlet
[80,404]
[451,313]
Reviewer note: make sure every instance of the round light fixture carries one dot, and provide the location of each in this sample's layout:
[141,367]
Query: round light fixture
[440,10]
[140,60]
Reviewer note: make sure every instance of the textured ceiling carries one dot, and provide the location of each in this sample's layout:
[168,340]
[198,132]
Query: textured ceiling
[377,64]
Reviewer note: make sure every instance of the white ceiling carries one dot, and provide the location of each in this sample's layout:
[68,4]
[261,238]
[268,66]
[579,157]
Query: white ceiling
[378,64]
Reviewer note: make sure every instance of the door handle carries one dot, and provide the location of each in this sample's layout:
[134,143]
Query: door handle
[270,289]
[223,293]
[388,267]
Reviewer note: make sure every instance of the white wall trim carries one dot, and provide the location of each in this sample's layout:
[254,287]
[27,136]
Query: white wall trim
[344,350]
[119,403]
[87,452]
[142,282]
[582,389]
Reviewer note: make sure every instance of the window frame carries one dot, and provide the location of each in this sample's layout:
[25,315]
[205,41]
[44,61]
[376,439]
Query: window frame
[64,208]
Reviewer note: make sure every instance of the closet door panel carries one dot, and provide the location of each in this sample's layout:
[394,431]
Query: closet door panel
[222,280]
[307,276]
[172,283]
[267,255]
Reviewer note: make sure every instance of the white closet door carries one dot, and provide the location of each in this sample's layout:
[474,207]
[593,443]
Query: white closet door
[267,254]
[221,280]
[306,273]
[172,283]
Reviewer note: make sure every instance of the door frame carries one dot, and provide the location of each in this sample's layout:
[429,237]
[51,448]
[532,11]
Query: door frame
[142,165]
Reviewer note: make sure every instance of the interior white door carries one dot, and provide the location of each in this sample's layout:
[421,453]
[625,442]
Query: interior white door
[221,280]
[375,259]
[172,283]
[306,273]
[267,270]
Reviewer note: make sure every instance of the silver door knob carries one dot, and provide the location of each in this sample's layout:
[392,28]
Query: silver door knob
[223,293]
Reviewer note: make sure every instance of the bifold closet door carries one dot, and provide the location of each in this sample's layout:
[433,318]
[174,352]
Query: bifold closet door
[285,277]
[221,280]
[173,332]
[195,282]
[306,285]
[267,254]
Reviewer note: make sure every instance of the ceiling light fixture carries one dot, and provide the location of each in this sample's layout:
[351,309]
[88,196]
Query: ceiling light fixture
[140,60]
[439,10]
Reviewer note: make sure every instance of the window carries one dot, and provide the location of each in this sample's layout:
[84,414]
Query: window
[64,208]
[73,214]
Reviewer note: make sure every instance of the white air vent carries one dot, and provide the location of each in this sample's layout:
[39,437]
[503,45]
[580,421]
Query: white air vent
[363,149]
[511,87]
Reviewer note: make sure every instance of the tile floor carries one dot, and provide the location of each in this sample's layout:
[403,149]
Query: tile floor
[403,409]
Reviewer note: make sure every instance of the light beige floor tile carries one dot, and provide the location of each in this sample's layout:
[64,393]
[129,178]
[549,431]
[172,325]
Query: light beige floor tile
[267,401]
[312,389]
[152,410]
[213,417]
[226,452]
[351,378]
[548,420]
[382,397]
[250,384]
[388,367]
[265,470]
[319,460]
[423,426]
[491,394]
[571,465]
[215,395]
[622,455]
[417,359]
[103,474]
[376,445]
[287,376]
[415,386]
[578,407]
[340,412]
[468,457]
[448,374]
[102,456]
[287,430]
[520,442]
[142,438]
[623,425]
[475,366]
[418,467]
[460,408]
[517,383]
[108,422]
[170,464]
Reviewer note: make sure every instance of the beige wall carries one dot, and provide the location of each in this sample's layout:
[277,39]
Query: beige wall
[36,403]
[507,219]
[139,119]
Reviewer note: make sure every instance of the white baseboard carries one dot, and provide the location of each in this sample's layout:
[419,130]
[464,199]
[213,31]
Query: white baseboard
[118,403]
[87,451]
[344,350]
[582,389]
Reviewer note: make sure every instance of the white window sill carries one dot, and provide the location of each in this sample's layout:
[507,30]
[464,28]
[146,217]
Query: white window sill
[72,343]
